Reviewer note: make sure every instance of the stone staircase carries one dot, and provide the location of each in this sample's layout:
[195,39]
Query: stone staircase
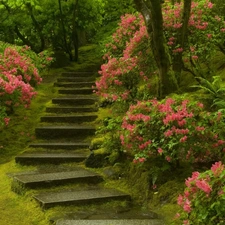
[61,147]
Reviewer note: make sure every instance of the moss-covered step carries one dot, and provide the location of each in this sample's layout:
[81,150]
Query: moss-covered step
[46,157]
[78,197]
[76,131]
[76,91]
[51,179]
[77,73]
[75,101]
[75,79]
[112,222]
[68,118]
[74,84]
[61,145]
[68,109]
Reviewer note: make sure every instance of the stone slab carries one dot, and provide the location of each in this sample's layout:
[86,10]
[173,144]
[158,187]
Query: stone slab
[34,180]
[60,145]
[77,91]
[74,100]
[66,109]
[74,84]
[77,197]
[111,222]
[77,73]
[75,79]
[69,118]
[51,132]
[32,158]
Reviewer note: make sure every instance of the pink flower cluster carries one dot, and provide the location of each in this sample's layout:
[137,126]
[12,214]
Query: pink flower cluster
[207,190]
[17,75]
[172,129]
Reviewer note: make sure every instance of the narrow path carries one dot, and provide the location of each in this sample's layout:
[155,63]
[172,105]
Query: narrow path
[63,139]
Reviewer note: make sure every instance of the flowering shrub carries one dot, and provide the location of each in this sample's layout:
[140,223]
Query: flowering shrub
[128,59]
[206,30]
[203,198]
[18,76]
[175,130]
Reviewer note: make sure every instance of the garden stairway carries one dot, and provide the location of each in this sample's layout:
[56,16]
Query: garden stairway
[58,154]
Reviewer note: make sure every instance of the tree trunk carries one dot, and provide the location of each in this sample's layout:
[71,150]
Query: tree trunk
[182,36]
[152,13]
[66,45]
[37,27]
[75,40]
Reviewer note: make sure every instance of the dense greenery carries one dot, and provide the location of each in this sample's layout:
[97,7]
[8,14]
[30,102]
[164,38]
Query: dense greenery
[161,82]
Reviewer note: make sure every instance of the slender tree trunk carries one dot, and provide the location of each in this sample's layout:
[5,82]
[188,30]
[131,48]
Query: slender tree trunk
[66,45]
[152,13]
[37,27]
[74,31]
[182,36]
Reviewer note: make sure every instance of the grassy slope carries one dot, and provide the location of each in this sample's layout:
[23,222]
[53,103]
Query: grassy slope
[14,139]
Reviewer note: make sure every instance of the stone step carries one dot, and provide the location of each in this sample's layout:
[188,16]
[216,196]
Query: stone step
[53,158]
[74,84]
[60,145]
[76,91]
[49,132]
[112,222]
[57,178]
[75,79]
[77,197]
[69,118]
[77,73]
[71,100]
[67,109]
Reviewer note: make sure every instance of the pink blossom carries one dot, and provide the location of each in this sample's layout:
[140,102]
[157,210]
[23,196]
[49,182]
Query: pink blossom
[160,151]
[217,168]
[203,185]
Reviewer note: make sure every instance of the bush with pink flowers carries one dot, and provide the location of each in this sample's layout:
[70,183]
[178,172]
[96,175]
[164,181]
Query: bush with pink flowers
[19,74]
[203,199]
[175,130]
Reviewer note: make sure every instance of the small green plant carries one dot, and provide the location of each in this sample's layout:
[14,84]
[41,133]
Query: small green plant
[203,199]
[214,89]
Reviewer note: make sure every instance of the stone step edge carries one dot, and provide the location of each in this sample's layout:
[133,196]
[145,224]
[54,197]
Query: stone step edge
[112,222]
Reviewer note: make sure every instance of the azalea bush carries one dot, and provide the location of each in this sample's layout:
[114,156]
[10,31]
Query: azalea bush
[175,130]
[128,61]
[206,33]
[18,77]
[203,199]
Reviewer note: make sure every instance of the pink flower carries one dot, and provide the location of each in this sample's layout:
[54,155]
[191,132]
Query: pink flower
[194,57]
[160,151]
[168,158]
[217,168]
[203,185]
[6,120]
[187,206]
[183,139]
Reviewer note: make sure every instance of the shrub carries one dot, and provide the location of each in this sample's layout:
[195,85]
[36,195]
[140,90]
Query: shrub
[204,197]
[174,130]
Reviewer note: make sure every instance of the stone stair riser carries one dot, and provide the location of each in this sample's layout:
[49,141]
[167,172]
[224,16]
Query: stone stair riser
[75,79]
[48,160]
[77,74]
[68,119]
[75,84]
[56,146]
[84,91]
[49,133]
[73,101]
[70,109]
[85,201]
